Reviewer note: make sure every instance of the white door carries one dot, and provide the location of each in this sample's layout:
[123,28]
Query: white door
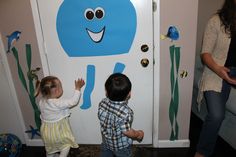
[92,39]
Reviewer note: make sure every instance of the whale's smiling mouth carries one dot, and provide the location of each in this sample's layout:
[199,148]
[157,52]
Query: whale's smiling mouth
[96,36]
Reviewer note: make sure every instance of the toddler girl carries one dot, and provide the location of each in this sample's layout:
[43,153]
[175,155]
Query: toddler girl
[55,129]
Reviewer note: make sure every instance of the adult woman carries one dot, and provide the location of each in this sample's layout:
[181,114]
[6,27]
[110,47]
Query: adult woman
[219,57]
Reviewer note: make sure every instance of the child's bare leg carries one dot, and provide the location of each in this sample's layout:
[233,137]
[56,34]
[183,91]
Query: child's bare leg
[198,155]
[56,155]
[64,152]
[50,155]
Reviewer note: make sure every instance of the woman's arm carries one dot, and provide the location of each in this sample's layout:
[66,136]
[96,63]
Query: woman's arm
[221,71]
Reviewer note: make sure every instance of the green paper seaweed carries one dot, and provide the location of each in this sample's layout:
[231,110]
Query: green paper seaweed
[31,76]
[174,102]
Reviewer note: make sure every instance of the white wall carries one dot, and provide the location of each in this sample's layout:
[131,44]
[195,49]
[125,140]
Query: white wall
[16,15]
[9,118]
[183,15]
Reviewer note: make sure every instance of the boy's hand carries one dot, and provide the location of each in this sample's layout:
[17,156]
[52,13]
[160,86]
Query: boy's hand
[140,136]
[134,134]
[79,84]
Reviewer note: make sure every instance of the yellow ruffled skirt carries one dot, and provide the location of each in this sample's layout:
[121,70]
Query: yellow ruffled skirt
[57,136]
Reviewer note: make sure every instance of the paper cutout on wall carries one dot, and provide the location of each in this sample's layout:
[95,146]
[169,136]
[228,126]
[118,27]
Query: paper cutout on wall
[183,74]
[89,87]
[119,68]
[174,102]
[172,33]
[31,76]
[33,131]
[11,38]
[96,28]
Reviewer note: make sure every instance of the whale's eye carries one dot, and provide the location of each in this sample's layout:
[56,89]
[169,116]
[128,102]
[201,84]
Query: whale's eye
[99,13]
[89,14]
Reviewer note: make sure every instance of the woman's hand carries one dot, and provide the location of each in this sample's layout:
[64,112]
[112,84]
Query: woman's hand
[223,72]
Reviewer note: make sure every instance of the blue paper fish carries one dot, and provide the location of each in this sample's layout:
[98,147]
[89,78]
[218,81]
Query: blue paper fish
[172,33]
[11,38]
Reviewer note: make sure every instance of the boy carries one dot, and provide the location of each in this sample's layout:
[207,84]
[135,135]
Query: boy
[116,118]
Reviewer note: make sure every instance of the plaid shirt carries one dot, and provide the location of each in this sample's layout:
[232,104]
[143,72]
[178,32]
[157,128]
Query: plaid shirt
[115,118]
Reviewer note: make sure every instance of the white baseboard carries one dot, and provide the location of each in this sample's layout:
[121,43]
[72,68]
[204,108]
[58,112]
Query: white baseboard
[173,144]
[34,142]
[161,143]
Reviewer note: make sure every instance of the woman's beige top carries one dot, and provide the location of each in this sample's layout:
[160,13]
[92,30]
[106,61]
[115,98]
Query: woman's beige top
[216,42]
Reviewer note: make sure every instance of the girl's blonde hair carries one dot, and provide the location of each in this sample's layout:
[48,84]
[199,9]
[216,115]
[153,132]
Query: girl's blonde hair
[45,85]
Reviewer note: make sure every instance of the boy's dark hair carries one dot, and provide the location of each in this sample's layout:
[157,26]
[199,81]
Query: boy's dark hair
[118,87]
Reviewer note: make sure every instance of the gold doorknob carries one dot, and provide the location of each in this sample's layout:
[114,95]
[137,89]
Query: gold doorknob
[144,62]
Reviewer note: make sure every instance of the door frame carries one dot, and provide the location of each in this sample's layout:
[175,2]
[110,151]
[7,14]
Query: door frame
[156,72]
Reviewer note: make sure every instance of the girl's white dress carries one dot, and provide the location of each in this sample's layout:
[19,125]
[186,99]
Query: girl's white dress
[55,129]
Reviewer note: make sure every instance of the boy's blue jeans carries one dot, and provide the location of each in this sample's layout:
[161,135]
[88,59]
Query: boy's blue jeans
[216,102]
[105,152]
